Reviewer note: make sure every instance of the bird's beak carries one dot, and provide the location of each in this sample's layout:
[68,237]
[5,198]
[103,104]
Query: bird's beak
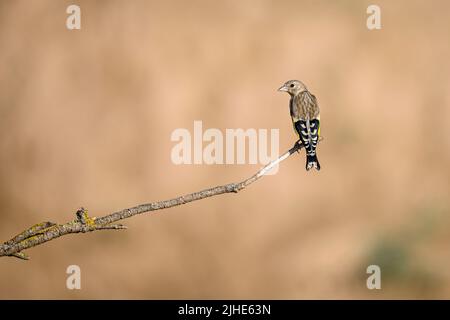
[283,88]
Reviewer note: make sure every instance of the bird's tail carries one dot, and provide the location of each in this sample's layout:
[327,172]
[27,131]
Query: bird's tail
[312,162]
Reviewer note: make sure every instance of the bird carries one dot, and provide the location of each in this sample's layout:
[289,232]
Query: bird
[305,115]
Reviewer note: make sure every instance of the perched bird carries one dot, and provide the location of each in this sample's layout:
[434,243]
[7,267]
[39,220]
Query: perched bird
[305,116]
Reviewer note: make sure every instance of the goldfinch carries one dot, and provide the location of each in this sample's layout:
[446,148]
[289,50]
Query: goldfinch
[305,116]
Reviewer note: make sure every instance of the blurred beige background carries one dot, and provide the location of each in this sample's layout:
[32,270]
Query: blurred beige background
[86,118]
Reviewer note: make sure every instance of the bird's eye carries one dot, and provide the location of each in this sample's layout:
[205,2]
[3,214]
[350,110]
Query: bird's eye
[292,85]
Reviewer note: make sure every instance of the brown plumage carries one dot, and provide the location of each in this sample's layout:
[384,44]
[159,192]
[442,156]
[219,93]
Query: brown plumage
[305,114]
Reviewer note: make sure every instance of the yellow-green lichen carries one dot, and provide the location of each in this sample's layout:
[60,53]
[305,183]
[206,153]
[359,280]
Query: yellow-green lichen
[87,219]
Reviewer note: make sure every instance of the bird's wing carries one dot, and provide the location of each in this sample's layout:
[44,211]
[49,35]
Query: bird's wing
[294,109]
[308,128]
[317,112]
[315,106]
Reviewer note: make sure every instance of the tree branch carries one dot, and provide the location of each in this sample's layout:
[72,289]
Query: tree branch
[46,231]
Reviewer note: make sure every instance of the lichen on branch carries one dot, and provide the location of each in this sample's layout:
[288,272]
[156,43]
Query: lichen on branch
[47,231]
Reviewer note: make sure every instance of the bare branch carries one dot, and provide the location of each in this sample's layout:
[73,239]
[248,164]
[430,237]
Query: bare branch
[46,231]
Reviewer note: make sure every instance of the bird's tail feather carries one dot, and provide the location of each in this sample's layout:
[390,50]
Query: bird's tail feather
[312,162]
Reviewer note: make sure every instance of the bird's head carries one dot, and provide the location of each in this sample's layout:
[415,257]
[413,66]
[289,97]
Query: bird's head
[293,87]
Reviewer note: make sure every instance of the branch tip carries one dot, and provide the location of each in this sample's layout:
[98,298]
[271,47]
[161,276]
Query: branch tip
[20,255]
[81,215]
[112,227]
